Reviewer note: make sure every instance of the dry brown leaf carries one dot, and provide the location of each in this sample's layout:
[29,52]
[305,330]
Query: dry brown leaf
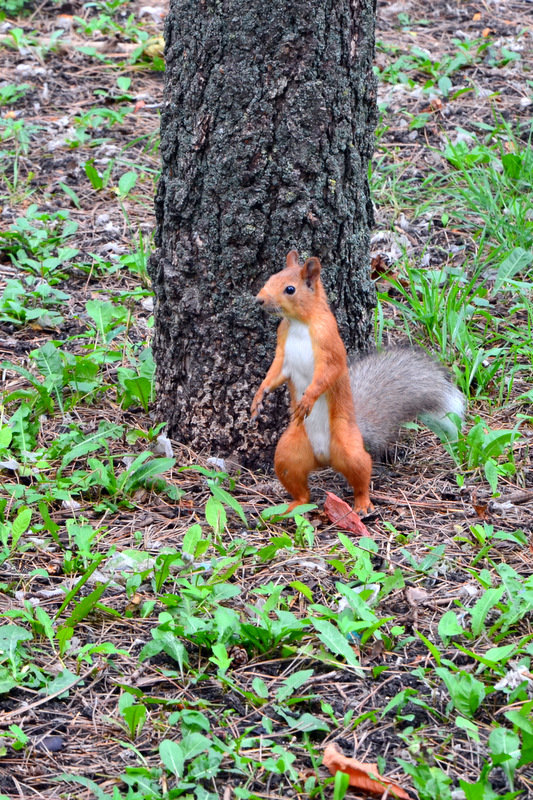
[434,106]
[486,32]
[380,266]
[341,514]
[363,776]
[416,597]
[477,16]
[482,510]
[155,47]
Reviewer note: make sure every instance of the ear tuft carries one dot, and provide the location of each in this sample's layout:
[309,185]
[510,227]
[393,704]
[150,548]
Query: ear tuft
[292,258]
[311,271]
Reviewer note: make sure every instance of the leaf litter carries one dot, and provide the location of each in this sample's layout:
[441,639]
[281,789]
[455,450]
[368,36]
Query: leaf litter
[71,154]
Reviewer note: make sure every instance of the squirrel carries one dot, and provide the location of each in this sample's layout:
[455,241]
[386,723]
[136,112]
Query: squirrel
[341,414]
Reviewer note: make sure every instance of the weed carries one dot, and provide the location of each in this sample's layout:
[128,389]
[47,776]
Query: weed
[18,133]
[36,243]
[9,93]
[32,300]
[490,449]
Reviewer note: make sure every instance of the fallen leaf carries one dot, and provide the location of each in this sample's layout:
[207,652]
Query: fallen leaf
[138,105]
[381,266]
[486,32]
[364,776]
[155,47]
[416,597]
[481,510]
[341,514]
[377,650]
[477,16]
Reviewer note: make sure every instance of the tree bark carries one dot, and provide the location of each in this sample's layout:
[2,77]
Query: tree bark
[266,135]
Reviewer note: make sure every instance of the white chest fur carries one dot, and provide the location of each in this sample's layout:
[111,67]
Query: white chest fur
[299,366]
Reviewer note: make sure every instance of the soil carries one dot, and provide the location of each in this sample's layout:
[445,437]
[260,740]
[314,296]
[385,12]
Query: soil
[416,495]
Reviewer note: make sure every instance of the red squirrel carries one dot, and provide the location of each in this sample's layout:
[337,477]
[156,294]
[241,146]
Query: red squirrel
[340,413]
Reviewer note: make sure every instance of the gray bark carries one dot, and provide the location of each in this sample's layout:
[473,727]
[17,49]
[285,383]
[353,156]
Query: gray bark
[266,135]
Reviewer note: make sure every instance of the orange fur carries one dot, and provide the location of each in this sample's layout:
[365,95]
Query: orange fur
[311,357]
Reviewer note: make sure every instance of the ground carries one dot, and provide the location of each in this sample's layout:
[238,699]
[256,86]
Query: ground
[158,633]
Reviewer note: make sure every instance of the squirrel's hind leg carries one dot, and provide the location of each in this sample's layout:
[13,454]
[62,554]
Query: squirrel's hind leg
[293,461]
[349,457]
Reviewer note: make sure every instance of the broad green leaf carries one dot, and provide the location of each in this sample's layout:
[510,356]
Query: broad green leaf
[220,657]
[194,743]
[92,442]
[336,643]
[215,515]
[449,626]
[260,688]
[303,589]
[46,622]
[104,315]
[172,756]
[518,260]
[20,525]
[82,781]
[466,692]
[191,539]
[71,193]
[126,183]
[139,476]
[292,683]
[64,681]
[512,165]
[170,644]
[135,716]
[141,389]
[306,722]
[10,636]
[430,646]
[342,782]
[505,751]
[6,435]
[499,655]
[7,682]
[225,497]
[92,173]
[480,610]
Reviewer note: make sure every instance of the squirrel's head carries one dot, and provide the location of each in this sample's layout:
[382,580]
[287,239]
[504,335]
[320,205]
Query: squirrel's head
[293,291]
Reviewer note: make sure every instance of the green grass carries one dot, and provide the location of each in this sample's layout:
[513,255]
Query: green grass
[240,637]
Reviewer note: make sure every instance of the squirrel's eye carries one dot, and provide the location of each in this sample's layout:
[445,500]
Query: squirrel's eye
[289,290]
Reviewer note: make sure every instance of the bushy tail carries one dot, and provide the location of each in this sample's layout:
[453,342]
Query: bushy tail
[397,386]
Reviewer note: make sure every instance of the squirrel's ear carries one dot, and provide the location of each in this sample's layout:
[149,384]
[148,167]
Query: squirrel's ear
[292,258]
[311,271]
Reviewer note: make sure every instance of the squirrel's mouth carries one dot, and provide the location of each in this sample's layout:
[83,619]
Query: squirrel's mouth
[270,307]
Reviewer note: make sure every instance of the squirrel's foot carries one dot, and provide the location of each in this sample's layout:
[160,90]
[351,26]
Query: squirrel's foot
[363,506]
[295,503]
[257,402]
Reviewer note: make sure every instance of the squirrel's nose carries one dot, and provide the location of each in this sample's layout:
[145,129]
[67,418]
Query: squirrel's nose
[259,300]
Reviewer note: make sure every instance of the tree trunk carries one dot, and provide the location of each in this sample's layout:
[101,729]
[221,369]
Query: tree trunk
[266,135]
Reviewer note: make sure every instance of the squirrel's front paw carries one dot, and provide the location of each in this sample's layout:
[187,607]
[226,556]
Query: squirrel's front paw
[257,402]
[302,410]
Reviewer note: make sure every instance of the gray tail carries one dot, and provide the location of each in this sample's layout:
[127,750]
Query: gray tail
[397,386]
